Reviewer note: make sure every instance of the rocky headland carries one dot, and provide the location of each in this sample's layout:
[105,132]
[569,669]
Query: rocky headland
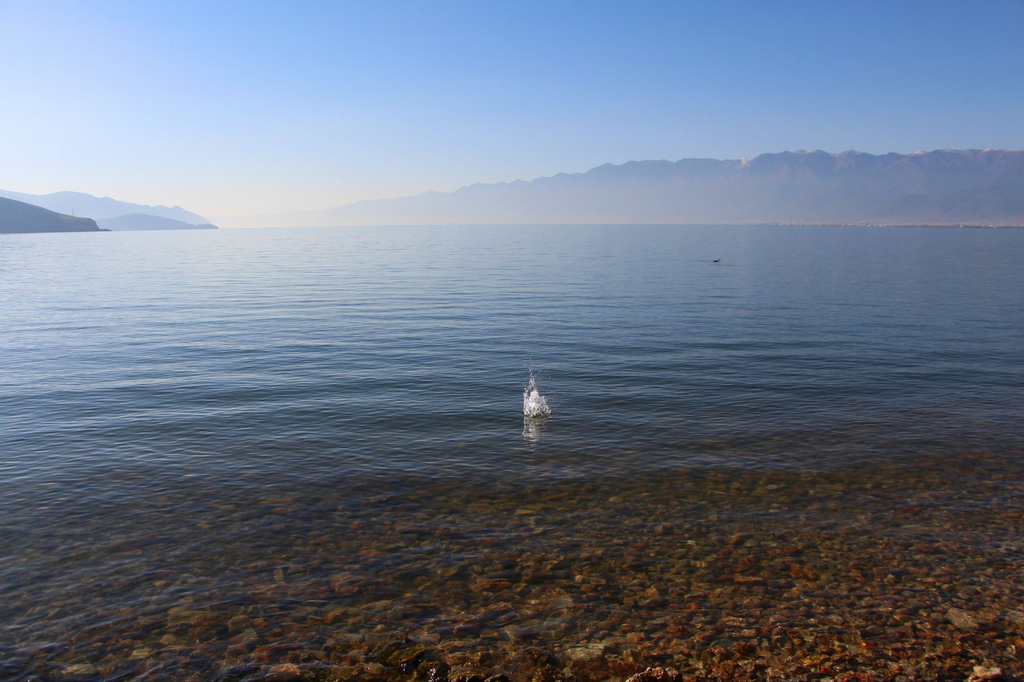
[19,217]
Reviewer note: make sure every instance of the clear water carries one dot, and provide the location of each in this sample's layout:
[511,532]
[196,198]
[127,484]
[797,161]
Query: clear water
[314,353]
[149,377]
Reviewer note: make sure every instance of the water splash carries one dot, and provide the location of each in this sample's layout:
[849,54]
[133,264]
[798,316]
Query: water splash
[534,404]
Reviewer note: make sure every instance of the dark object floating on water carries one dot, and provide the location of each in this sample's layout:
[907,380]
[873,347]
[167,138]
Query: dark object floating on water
[717,260]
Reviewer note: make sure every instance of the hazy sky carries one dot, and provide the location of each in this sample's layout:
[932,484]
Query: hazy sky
[247,107]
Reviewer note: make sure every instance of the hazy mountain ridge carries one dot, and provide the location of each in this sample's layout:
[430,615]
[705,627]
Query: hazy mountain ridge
[141,221]
[102,208]
[18,217]
[944,186]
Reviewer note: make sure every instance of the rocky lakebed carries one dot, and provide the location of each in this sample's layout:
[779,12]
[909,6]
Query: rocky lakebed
[907,570]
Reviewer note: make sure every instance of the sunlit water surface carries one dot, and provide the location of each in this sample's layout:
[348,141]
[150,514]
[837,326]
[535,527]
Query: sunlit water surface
[213,404]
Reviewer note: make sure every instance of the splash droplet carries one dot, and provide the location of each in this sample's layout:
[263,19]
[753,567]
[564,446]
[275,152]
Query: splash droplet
[534,404]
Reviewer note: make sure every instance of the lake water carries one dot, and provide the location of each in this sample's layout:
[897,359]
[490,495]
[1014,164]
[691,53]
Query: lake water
[226,451]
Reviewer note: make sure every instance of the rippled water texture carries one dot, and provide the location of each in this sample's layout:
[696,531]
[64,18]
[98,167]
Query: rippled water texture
[215,443]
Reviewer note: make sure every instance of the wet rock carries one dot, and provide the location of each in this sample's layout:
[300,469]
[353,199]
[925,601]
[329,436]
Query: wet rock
[585,653]
[140,653]
[401,655]
[466,674]
[283,672]
[79,670]
[587,662]
[438,673]
[336,614]
[339,673]
[237,623]
[489,585]
[238,672]
[965,620]
[180,615]
[269,652]
[840,585]
[983,674]
[656,675]
[520,634]
[532,664]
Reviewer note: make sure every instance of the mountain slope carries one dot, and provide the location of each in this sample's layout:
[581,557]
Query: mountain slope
[140,221]
[100,208]
[946,186]
[17,217]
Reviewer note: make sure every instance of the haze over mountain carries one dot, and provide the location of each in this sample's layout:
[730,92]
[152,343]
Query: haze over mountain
[19,217]
[141,221]
[101,208]
[937,187]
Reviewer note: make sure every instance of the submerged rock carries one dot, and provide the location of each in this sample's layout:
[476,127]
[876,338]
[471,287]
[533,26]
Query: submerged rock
[983,674]
[401,655]
[585,652]
[79,670]
[839,587]
[466,674]
[965,620]
[237,672]
[531,663]
[657,675]
[438,673]
[285,672]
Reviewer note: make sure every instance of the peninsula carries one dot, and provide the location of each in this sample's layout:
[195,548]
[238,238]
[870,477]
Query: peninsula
[19,217]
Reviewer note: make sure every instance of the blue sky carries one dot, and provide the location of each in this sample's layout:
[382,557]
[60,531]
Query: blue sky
[255,107]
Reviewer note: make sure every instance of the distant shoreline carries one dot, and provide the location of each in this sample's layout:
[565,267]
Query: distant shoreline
[972,226]
[55,231]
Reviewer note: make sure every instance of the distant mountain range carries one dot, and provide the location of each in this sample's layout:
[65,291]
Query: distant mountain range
[937,187]
[113,214]
[19,217]
[141,221]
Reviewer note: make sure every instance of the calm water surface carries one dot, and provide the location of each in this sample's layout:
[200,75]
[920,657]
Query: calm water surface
[196,403]
[313,353]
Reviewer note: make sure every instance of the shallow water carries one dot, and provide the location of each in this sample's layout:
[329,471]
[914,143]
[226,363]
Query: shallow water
[216,443]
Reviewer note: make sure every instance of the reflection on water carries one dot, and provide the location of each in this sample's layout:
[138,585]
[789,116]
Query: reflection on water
[533,429]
